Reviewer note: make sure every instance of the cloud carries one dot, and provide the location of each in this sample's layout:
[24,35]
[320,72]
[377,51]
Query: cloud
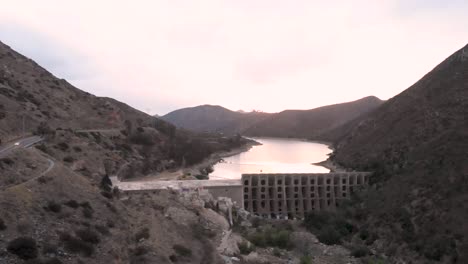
[269,55]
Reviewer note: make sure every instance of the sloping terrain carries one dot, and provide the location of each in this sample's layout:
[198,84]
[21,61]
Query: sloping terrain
[57,204]
[417,144]
[213,118]
[314,123]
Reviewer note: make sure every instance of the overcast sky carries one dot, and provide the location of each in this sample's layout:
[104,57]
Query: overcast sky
[269,55]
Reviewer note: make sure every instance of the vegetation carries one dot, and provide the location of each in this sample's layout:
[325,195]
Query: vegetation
[2,225]
[76,245]
[88,235]
[306,260]
[23,247]
[54,207]
[329,227]
[245,248]
[271,237]
[182,251]
[142,234]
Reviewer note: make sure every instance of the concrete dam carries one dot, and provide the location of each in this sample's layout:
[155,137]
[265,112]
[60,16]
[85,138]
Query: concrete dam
[282,195]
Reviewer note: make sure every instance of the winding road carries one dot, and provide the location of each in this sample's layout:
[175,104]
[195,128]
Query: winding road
[19,143]
[25,143]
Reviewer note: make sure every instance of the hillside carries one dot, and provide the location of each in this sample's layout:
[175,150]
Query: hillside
[313,123]
[417,144]
[213,118]
[56,202]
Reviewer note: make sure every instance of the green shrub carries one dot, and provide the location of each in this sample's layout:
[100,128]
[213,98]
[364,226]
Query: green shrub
[329,227]
[245,248]
[306,260]
[271,237]
[23,247]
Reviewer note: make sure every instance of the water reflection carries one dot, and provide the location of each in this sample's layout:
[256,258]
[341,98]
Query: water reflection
[274,156]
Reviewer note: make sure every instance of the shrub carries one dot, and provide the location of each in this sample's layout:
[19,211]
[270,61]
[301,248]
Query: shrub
[49,249]
[87,212]
[329,227]
[76,245]
[142,234]
[77,149]
[245,248]
[88,235]
[141,250]
[2,225]
[54,207]
[272,237]
[42,148]
[182,251]
[329,236]
[63,146]
[360,251]
[23,247]
[7,161]
[306,260]
[102,229]
[72,203]
[68,159]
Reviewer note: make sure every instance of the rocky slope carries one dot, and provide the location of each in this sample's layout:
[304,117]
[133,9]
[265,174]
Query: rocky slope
[417,144]
[313,123]
[56,202]
[213,118]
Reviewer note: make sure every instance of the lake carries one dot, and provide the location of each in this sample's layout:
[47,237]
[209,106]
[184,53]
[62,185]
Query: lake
[274,156]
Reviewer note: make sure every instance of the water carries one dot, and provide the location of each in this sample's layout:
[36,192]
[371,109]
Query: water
[274,156]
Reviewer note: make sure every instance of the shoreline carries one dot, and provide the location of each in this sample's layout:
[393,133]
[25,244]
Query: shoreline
[189,173]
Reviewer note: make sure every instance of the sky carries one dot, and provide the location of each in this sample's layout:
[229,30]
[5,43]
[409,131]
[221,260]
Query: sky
[268,55]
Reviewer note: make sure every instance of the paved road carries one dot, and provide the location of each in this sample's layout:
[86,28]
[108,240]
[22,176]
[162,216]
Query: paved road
[19,143]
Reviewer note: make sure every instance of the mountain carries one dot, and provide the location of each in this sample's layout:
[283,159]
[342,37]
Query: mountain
[313,123]
[214,118]
[57,203]
[417,145]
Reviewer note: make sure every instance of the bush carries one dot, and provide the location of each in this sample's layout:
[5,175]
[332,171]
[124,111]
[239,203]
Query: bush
[182,251]
[23,247]
[88,212]
[329,227]
[63,146]
[76,245]
[54,207]
[42,148]
[77,149]
[306,260]
[329,236]
[68,159]
[2,225]
[88,235]
[272,237]
[142,234]
[360,251]
[49,249]
[245,248]
[72,203]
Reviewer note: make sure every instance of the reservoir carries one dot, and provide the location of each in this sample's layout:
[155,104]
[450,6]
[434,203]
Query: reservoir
[275,155]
